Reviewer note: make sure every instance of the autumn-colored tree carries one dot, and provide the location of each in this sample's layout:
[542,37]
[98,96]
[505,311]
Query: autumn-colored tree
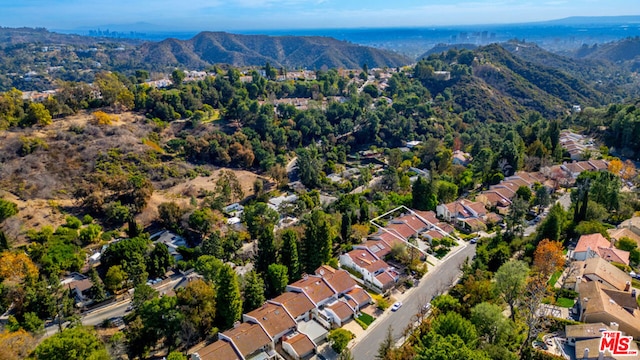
[615,166]
[548,257]
[16,345]
[16,267]
[102,118]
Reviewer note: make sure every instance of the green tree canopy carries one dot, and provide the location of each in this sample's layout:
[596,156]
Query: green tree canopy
[253,291]
[277,279]
[229,300]
[511,278]
[78,343]
[259,217]
[289,253]
[317,242]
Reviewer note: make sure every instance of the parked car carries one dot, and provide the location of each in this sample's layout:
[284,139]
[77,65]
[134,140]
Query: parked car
[473,241]
[397,305]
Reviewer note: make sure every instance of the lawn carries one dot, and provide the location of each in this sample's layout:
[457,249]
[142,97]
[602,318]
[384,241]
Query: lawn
[564,302]
[555,277]
[366,318]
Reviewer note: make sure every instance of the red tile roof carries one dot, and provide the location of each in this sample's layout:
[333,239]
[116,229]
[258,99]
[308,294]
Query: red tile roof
[341,309]
[519,182]
[378,248]
[218,350]
[403,230]
[315,288]
[360,295]
[296,304]
[364,259]
[574,167]
[339,280]
[445,227]
[613,254]
[429,216]
[273,318]
[301,344]
[599,164]
[385,279]
[248,338]
[591,241]
[478,207]
[434,234]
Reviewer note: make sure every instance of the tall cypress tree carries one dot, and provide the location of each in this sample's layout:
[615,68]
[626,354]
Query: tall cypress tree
[317,241]
[266,250]
[289,253]
[345,227]
[253,291]
[228,299]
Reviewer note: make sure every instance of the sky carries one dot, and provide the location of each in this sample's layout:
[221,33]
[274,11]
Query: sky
[221,15]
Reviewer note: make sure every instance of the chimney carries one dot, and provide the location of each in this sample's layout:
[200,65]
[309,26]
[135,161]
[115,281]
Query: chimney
[586,354]
[627,286]
[633,293]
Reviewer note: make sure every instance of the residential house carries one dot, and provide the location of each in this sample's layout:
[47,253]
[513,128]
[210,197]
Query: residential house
[599,270]
[339,312]
[274,319]
[457,209]
[233,210]
[599,304]
[495,198]
[358,298]
[299,346]
[619,233]
[632,224]
[314,330]
[586,340]
[172,241]
[464,213]
[339,280]
[216,351]
[575,333]
[588,246]
[378,248]
[373,270]
[315,288]
[298,305]
[250,341]
[461,158]
[80,286]
[597,245]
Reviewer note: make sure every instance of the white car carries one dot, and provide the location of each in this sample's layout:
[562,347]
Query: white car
[396,306]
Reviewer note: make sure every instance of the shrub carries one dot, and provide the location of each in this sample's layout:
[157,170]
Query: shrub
[102,118]
[73,222]
[7,209]
[339,339]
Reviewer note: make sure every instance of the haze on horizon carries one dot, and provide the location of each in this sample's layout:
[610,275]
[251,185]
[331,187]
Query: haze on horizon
[297,14]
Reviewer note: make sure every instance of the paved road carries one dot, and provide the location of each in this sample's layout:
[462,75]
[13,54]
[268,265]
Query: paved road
[436,281]
[117,309]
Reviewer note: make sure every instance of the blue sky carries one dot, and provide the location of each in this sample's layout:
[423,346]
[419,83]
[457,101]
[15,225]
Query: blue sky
[295,14]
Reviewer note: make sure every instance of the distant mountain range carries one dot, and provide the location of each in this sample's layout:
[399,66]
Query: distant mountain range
[209,48]
[206,49]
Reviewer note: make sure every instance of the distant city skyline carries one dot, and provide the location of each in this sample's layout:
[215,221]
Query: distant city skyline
[220,15]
